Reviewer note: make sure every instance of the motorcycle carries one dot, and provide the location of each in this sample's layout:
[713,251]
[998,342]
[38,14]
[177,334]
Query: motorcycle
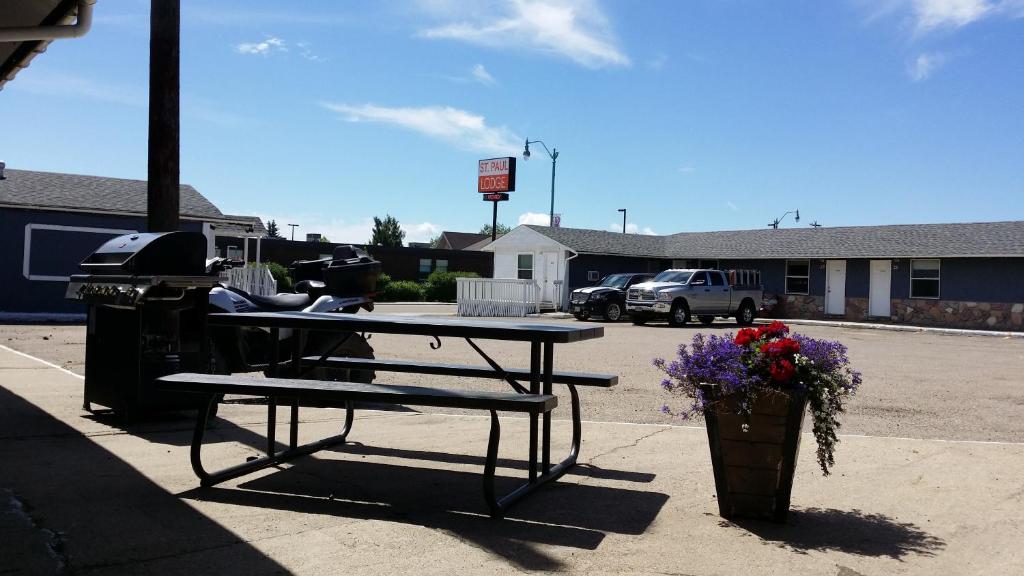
[344,284]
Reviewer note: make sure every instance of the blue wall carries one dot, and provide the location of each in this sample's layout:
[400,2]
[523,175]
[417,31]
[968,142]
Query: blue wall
[605,265]
[53,253]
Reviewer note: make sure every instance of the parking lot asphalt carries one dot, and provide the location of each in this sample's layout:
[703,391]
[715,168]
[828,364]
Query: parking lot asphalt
[916,384]
[86,494]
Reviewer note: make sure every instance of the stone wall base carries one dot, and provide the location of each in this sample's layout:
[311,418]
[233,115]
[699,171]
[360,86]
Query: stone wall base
[920,312]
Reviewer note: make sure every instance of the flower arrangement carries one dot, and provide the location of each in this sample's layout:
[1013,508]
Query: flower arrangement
[765,361]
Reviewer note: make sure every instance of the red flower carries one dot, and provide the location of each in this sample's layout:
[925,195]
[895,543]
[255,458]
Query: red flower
[774,330]
[781,370]
[784,347]
[746,337]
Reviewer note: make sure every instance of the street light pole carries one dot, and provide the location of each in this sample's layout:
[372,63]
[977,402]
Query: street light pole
[293,230]
[775,223]
[623,210]
[553,153]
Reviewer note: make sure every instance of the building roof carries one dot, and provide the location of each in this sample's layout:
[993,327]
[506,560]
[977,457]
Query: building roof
[16,55]
[241,227]
[53,191]
[460,240]
[973,239]
[585,241]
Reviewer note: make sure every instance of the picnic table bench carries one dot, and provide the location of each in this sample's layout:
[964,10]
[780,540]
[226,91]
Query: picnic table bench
[533,396]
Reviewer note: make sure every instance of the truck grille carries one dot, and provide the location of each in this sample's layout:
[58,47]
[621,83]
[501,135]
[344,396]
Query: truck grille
[579,298]
[636,294]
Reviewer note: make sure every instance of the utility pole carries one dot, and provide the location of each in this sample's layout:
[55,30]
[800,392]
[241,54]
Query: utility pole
[623,210]
[294,226]
[162,193]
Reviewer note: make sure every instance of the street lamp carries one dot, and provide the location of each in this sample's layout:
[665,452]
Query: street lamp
[623,210]
[553,153]
[294,226]
[775,223]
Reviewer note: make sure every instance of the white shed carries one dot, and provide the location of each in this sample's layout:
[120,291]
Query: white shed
[527,254]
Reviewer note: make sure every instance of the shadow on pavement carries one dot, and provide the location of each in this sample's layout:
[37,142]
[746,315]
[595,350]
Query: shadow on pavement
[106,516]
[852,532]
[560,514]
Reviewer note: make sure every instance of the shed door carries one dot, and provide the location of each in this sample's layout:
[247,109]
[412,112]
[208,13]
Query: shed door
[835,287]
[880,294]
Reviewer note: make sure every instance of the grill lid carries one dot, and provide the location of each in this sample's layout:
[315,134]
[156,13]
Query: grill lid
[163,253]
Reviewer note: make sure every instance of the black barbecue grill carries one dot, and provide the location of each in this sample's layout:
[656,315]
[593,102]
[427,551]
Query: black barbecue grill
[146,296]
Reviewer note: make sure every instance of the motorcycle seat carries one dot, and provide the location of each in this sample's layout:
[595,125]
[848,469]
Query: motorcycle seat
[278,302]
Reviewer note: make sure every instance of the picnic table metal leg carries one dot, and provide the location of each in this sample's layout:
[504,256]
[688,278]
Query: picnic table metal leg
[296,369]
[534,389]
[549,361]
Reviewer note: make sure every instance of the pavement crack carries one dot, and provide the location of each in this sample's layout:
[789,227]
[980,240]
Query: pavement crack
[632,444]
[53,540]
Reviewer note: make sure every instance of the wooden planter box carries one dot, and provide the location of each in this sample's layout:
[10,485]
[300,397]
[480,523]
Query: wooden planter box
[754,469]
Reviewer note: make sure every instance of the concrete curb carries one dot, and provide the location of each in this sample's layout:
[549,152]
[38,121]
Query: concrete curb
[896,327]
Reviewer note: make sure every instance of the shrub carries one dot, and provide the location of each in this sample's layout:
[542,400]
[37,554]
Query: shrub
[442,286]
[382,282]
[280,274]
[401,291]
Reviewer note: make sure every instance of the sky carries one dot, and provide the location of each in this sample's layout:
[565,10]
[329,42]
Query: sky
[691,115]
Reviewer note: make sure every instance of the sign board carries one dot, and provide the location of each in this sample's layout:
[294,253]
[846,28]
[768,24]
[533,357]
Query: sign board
[558,221]
[496,175]
[498,197]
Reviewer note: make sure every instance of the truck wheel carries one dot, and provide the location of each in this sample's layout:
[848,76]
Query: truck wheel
[679,315]
[613,312]
[638,319]
[745,315]
[581,315]
[706,320]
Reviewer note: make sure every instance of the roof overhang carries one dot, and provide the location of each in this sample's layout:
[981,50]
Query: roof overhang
[43,15]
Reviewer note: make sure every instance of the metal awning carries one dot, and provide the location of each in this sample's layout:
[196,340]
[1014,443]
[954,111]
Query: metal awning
[15,55]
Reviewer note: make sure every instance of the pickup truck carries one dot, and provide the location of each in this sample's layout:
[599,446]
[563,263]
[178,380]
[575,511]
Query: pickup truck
[607,299]
[679,295]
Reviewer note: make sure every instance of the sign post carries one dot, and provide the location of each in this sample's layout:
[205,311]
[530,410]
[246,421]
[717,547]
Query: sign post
[496,177]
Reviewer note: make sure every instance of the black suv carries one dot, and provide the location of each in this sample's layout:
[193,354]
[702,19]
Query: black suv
[607,298]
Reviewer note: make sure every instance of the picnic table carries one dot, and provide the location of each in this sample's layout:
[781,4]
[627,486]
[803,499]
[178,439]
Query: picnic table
[532,388]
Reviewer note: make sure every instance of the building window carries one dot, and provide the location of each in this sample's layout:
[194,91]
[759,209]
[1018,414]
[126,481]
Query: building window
[441,266]
[424,268]
[798,274]
[525,264]
[593,275]
[924,278]
[235,253]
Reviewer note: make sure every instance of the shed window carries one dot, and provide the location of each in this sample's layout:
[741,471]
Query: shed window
[441,266]
[424,269]
[525,264]
[924,278]
[593,275]
[797,276]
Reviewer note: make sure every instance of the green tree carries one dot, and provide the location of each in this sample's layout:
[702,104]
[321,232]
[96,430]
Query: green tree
[386,232]
[324,239]
[502,229]
[272,231]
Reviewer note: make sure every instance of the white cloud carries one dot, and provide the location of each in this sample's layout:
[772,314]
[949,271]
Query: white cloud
[932,14]
[687,169]
[343,231]
[421,232]
[481,75]
[732,206]
[925,64]
[632,228]
[268,46]
[306,51]
[534,218]
[574,29]
[658,62]
[459,128]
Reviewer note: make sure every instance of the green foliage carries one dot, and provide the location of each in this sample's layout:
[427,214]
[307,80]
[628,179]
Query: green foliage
[442,286]
[272,231]
[382,281]
[502,229]
[401,291]
[280,273]
[387,232]
[324,239]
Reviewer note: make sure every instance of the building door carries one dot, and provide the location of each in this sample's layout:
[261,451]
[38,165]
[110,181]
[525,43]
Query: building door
[880,293]
[547,273]
[835,287]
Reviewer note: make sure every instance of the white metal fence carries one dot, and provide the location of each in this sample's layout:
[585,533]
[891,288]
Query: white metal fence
[253,278]
[497,297]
